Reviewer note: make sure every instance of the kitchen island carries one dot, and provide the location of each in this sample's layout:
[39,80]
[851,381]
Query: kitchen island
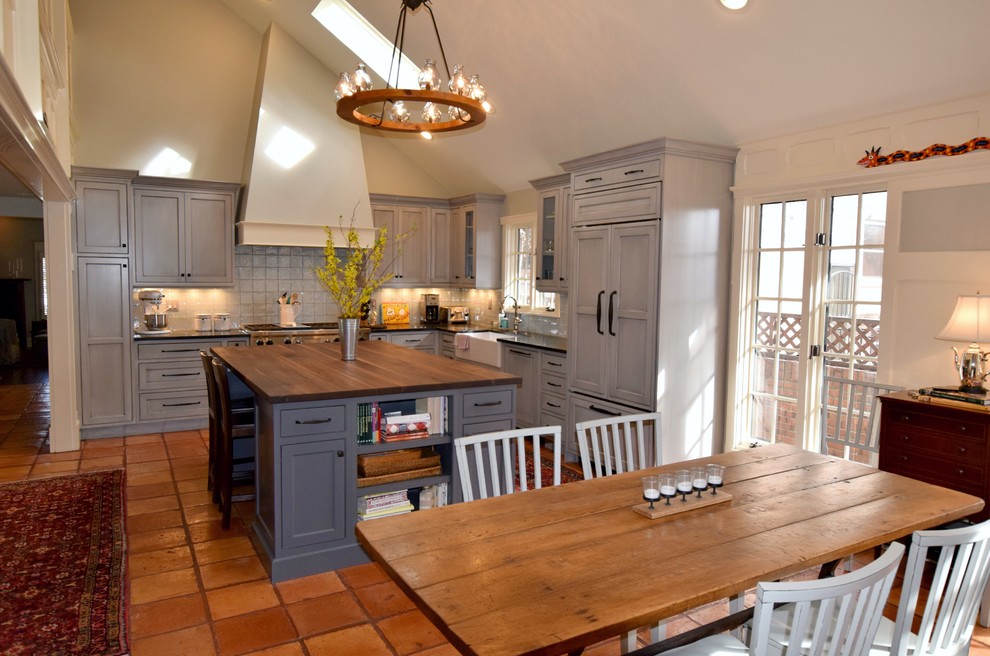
[308,404]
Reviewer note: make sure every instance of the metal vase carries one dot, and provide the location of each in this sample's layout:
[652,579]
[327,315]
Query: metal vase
[349,338]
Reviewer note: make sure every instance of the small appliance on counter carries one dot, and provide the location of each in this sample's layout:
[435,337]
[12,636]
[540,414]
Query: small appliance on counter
[458,314]
[155,318]
[430,308]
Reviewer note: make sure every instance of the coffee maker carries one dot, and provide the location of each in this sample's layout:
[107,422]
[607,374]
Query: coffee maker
[431,308]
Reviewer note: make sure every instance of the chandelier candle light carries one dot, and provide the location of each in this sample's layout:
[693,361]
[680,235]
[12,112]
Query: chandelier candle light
[970,322]
[464,104]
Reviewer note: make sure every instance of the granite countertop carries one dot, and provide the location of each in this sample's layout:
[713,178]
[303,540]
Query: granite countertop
[537,340]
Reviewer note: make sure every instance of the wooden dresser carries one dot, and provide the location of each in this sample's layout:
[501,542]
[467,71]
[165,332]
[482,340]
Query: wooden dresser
[938,443]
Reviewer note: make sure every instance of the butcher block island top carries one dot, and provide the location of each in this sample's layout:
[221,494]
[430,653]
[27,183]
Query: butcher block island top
[314,423]
[312,372]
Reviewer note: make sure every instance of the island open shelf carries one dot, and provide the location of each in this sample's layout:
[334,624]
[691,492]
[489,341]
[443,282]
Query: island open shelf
[307,401]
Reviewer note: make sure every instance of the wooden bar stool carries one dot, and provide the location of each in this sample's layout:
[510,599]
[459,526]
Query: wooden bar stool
[234,448]
[242,409]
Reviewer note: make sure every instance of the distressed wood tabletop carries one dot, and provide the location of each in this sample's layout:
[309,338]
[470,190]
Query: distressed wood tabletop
[550,571]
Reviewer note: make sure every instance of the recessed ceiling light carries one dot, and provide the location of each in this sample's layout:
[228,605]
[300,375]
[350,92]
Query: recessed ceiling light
[734,4]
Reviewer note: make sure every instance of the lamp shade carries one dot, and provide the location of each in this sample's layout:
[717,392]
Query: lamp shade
[970,321]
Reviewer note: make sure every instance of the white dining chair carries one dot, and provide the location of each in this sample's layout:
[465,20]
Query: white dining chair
[614,445]
[833,616]
[496,461]
[961,559]
[851,417]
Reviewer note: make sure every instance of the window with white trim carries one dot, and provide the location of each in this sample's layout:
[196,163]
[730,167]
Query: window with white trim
[519,265]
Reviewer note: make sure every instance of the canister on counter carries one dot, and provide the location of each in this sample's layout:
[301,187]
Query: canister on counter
[203,323]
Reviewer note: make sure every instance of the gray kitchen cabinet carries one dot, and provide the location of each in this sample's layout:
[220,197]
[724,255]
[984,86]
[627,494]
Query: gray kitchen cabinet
[648,292]
[314,497]
[553,388]
[409,260]
[552,233]
[102,210]
[424,340]
[524,362]
[184,232]
[447,346]
[171,382]
[104,340]
[440,246]
[614,311]
[476,252]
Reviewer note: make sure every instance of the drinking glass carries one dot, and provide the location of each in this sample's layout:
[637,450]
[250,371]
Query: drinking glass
[699,480]
[651,489]
[684,486]
[716,477]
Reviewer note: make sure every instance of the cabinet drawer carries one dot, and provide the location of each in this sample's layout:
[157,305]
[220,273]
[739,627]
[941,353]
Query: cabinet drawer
[908,439]
[379,337]
[553,384]
[184,350]
[312,421]
[968,478]
[552,404]
[480,404]
[171,375]
[628,173]
[641,202]
[172,406]
[902,418]
[414,340]
[553,363]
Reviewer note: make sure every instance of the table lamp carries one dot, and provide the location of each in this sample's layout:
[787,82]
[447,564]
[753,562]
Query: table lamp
[970,322]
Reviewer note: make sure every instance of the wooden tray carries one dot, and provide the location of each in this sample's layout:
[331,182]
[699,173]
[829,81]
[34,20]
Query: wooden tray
[393,462]
[661,509]
[368,481]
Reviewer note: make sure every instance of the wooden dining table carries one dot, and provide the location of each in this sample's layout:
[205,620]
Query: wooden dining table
[551,571]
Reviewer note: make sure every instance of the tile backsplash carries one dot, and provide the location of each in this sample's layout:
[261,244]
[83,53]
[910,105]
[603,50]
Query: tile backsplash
[262,273]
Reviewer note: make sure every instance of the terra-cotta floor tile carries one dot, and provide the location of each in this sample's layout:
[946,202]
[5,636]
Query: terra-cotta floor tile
[362,575]
[361,639]
[410,632]
[326,613]
[167,615]
[166,585]
[246,633]
[383,599]
[194,641]
[241,599]
[162,560]
[307,587]
[230,572]
[225,549]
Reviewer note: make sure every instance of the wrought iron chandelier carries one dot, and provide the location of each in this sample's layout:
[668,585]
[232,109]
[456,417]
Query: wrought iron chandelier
[463,105]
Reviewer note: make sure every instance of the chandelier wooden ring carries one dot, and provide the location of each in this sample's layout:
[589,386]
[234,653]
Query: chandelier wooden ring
[348,108]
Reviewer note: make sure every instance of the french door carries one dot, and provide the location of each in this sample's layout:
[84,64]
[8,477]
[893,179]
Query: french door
[814,272]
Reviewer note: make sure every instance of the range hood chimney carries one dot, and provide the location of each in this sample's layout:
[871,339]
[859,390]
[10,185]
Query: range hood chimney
[288,204]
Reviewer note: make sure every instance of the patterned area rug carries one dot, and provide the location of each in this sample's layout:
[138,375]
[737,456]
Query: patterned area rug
[62,559]
[567,475]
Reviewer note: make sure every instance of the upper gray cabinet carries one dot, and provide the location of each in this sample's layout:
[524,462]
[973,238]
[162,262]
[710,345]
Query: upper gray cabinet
[102,210]
[408,245]
[476,238]
[184,232]
[553,232]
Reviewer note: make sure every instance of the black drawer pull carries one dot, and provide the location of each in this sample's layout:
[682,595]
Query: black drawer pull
[610,413]
[191,373]
[487,404]
[340,454]
[592,179]
[634,171]
[525,353]
[552,405]
[180,350]
[555,364]
[550,384]
[177,405]
[307,422]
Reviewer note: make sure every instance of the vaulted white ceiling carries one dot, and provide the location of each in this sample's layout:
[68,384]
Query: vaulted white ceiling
[573,77]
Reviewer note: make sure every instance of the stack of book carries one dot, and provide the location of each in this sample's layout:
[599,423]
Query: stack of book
[369,423]
[385,504]
[950,394]
[399,427]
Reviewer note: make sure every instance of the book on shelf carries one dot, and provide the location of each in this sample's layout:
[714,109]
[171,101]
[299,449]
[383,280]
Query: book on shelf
[405,435]
[418,417]
[385,512]
[955,395]
[371,502]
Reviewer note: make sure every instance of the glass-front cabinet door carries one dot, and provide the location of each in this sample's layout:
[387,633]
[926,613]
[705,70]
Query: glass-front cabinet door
[552,240]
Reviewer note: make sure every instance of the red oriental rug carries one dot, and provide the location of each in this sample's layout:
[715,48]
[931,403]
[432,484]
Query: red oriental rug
[567,475]
[62,560]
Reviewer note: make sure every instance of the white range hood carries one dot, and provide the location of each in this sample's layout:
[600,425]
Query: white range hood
[294,105]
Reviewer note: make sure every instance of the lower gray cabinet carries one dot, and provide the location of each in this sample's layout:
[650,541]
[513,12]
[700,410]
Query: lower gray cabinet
[314,508]
[525,363]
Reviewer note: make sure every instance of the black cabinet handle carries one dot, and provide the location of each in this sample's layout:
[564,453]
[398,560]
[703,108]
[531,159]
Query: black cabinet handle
[549,384]
[610,413]
[611,303]
[123,245]
[555,364]
[592,179]
[180,350]
[552,405]
[487,404]
[191,373]
[307,422]
[176,405]
[634,172]
[598,313]
[340,454]
[524,353]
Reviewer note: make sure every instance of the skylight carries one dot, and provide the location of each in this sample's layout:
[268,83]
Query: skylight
[370,46]
[288,147]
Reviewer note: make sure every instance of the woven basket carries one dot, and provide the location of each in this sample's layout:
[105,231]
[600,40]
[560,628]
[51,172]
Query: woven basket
[394,462]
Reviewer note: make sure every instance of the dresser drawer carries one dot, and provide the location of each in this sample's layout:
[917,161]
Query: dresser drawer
[167,405]
[951,424]
[482,404]
[965,477]
[904,438]
[625,174]
[171,375]
[313,421]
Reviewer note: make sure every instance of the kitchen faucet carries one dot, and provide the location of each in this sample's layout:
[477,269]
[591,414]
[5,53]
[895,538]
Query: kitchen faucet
[516,320]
